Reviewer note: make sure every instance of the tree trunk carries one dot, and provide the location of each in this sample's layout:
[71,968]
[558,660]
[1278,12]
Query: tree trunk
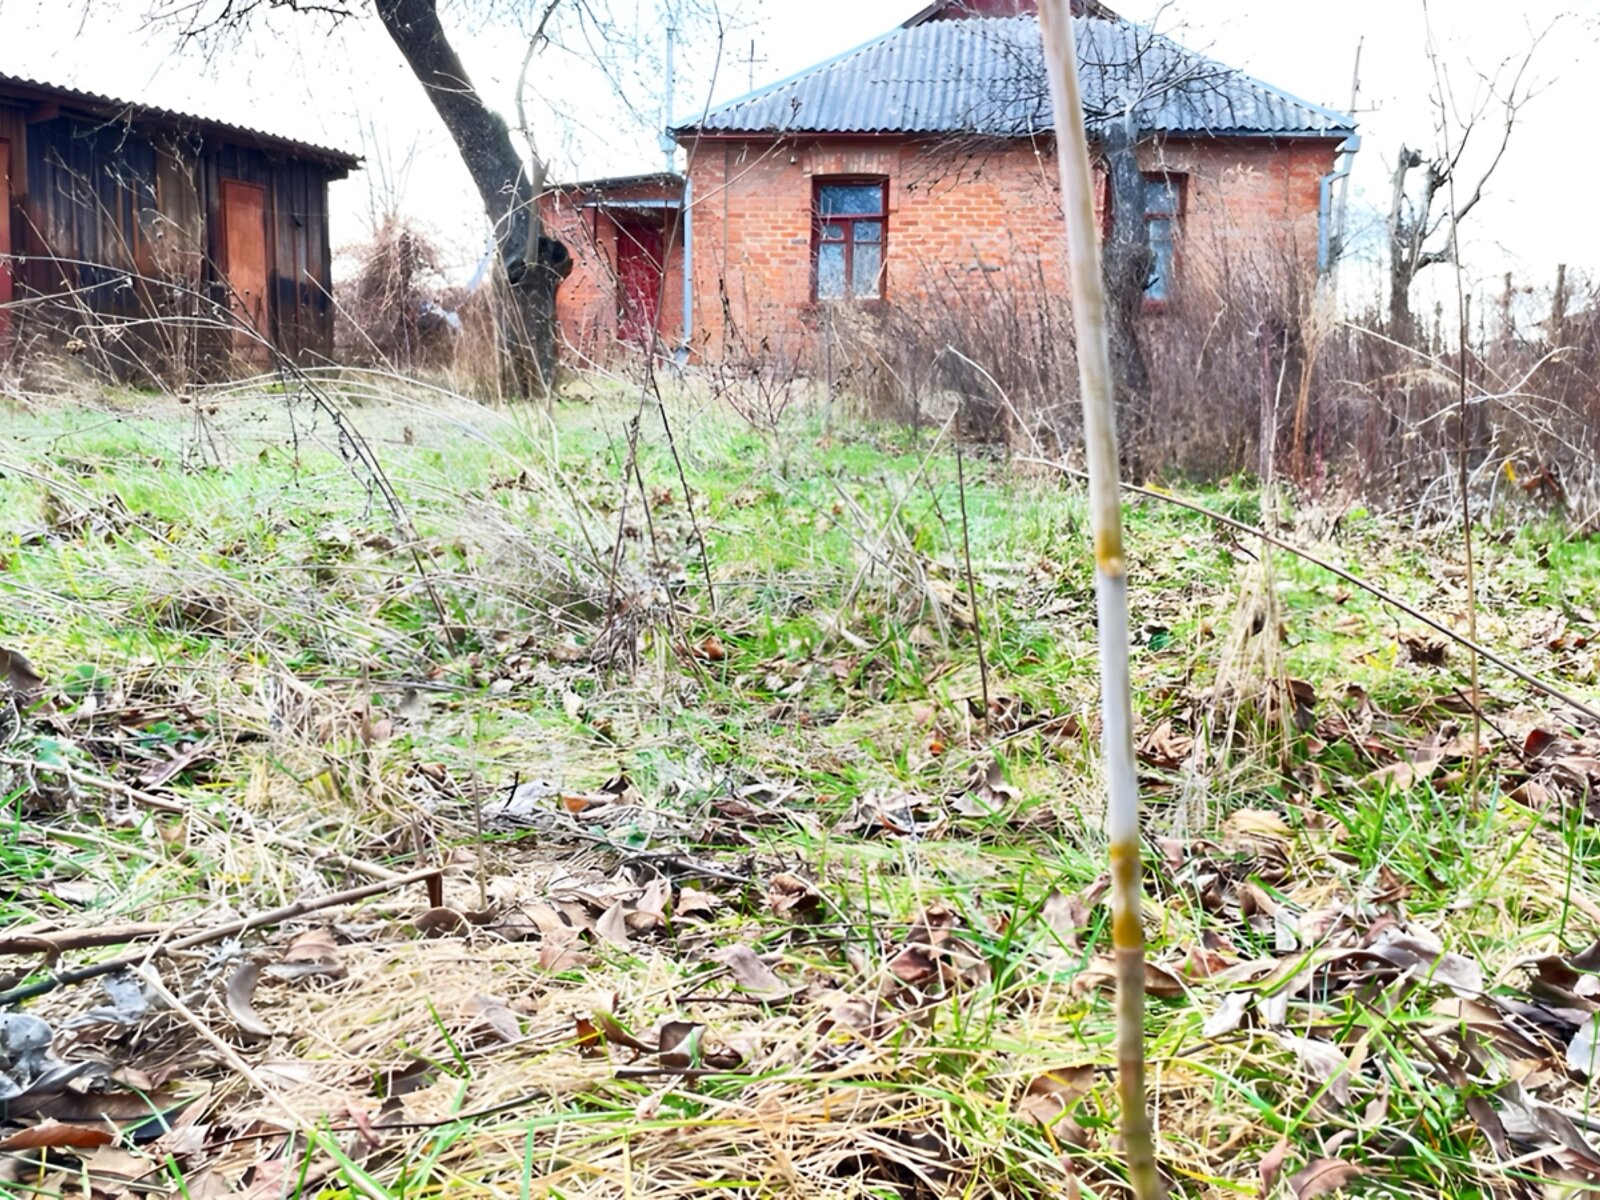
[1127,273]
[534,264]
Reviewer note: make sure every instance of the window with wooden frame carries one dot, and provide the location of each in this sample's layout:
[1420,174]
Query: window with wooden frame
[1163,213]
[849,238]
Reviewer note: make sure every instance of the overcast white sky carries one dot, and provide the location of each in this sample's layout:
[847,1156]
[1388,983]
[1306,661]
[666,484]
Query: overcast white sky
[348,87]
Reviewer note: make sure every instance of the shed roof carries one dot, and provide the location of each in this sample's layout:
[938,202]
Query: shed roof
[150,116]
[986,76]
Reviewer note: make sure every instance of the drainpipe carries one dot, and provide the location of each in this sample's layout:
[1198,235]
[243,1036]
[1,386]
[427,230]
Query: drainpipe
[1327,218]
[686,223]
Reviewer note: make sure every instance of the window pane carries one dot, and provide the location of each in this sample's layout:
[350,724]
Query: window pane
[833,233]
[868,281]
[1162,253]
[850,200]
[1160,196]
[869,231]
[830,271]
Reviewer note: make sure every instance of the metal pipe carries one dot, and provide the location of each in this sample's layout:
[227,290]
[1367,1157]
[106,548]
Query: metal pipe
[1325,235]
[686,218]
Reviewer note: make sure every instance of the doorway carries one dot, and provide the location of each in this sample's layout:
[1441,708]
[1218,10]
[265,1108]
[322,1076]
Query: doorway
[244,264]
[639,276]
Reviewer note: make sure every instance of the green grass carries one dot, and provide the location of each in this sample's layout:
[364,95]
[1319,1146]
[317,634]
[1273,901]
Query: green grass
[228,576]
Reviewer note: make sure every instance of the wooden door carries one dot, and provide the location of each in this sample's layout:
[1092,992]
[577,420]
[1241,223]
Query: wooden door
[244,263]
[639,272]
[8,289]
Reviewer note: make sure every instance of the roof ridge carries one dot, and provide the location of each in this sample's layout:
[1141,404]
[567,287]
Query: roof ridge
[959,59]
[136,109]
[767,89]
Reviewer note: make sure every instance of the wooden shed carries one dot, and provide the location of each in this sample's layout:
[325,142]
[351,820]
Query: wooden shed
[162,242]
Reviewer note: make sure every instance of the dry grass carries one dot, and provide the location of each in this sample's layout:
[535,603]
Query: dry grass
[803,771]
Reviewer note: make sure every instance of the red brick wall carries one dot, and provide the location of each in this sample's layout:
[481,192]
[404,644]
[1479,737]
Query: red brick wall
[587,303]
[976,219]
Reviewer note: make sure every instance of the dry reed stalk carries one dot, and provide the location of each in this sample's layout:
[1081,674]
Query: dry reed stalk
[1111,586]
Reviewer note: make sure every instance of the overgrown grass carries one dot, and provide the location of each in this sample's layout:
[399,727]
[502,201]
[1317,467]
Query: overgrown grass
[220,576]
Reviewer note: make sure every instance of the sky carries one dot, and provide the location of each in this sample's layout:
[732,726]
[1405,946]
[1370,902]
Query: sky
[345,85]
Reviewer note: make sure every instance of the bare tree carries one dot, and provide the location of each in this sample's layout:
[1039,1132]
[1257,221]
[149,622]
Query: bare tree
[1423,228]
[507,181]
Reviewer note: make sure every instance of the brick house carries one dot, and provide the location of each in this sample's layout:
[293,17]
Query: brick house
[920,167]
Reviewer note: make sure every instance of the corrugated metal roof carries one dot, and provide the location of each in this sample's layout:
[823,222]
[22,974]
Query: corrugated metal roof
[986,76]
[111,108]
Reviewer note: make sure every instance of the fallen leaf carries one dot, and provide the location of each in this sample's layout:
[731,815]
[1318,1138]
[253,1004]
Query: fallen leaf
[1323,1177]
[1101,973]
[789,895]
[1255,831]
[692,902]
[563,952]
[237,996]
[19,672]
[710,649]
[749,972]
[441,922]
[56,1135]
[1323,1062]
[1229,1015]
[493,1016]
[1165,747]
[613,926]
[1271,1164]
[1048,1096]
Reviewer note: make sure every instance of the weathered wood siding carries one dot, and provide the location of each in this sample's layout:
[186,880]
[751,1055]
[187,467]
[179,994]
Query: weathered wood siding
[117,226]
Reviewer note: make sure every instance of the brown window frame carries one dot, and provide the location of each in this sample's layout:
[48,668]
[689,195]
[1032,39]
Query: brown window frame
[1179,183]
[881,217]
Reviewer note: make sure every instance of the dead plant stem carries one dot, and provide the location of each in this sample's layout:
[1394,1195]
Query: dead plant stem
[972,589]
[216,933]
[1097,387]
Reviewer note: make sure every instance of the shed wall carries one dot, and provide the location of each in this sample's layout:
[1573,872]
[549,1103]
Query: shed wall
[117,226]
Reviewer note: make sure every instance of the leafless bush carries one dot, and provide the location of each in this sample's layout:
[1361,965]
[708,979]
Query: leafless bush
[390,299]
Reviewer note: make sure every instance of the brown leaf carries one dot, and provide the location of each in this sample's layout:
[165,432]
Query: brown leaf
[1271,1164]
[590,1042]
[563,952]
[1102,973]
[692,902]
[613,926]
[1051,1094]
[1403,775]
[492,1016]
[55,1135]
[441,922]
[679,1043]
[789,895]
[710,649]
[1425,648]
[19,672]
[749,972]
[1165,747]
[312,953]
[1323,1177]
[614,1031]
[650,909]
[1323,1062]
[914,965]
[1255,831]
[237,995]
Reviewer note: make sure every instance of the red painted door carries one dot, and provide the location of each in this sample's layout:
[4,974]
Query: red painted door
[244,262]
[638,281]
[8,290]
